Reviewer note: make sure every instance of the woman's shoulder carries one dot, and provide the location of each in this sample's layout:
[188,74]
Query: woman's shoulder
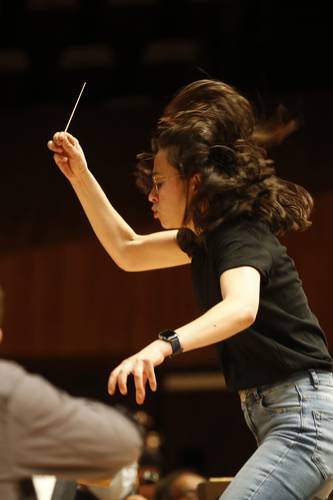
[240,227]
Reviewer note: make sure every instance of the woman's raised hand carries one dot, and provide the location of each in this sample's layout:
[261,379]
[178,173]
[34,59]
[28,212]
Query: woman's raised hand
[68,155]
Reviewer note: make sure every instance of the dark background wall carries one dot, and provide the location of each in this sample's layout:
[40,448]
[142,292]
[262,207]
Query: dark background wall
[71,313]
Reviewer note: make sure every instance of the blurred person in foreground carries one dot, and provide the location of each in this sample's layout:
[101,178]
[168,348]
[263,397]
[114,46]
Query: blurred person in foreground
[44,431]
[181,484]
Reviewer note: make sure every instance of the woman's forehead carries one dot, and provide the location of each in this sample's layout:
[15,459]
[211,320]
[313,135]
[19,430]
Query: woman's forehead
[162,166]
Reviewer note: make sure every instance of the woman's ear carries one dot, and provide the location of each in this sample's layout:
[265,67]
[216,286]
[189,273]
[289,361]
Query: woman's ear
[195,182]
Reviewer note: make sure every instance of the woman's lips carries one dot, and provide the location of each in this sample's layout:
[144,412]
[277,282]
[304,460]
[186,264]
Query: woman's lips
[155,213]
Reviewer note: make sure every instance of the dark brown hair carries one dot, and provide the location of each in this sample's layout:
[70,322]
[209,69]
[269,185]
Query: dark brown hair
[209,128]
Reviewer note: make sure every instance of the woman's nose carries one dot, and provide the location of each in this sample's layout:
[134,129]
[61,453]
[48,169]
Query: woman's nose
[153,194]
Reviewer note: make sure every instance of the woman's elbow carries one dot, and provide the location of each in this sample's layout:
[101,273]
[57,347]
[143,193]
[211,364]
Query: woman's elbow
[130,265]
[249,315]
[125,259]
[125,266]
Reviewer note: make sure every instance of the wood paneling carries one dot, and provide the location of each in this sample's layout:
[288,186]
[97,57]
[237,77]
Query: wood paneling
[69,299]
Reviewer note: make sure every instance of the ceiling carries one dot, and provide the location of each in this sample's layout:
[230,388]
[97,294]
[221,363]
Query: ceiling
[151,47]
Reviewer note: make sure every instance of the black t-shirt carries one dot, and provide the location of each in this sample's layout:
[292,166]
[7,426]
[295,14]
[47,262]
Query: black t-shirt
[286,336]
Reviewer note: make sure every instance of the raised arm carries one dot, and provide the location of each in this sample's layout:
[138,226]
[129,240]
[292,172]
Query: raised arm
[129,250]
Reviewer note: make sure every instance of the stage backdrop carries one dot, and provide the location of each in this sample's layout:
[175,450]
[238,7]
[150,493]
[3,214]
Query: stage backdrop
[69,298]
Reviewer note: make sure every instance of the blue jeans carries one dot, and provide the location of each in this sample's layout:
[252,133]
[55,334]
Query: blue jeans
[292,422]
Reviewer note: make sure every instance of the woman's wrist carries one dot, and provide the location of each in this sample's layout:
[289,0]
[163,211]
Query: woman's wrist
[81,179]
[165,347]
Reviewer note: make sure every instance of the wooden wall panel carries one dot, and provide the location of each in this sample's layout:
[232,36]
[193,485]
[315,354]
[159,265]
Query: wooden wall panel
[313,252]
[69,299]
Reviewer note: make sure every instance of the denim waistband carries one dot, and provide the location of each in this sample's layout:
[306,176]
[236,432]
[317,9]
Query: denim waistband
[315,376]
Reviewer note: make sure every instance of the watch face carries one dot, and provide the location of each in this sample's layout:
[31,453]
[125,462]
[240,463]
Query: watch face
[167,335]
[171,337]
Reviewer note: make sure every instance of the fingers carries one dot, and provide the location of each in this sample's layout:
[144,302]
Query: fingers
[63,142]
[151,376]
[73,140]
[60,137]
[140,382]
[122,382]
[113,381]
[142,370]
[54,147]
[60,159]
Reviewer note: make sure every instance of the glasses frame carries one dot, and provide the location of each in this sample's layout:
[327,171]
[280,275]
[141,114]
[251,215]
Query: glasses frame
[157,179]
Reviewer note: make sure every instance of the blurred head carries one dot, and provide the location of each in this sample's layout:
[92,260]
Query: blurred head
[185,486]
[179,485]
[206,167]
[150,465]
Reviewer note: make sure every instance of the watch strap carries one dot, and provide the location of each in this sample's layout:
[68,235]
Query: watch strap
[173,339]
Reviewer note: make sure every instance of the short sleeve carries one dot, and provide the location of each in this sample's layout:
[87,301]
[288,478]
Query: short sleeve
[243,244]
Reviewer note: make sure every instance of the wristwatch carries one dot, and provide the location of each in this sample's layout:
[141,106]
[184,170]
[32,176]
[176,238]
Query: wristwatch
[173,339]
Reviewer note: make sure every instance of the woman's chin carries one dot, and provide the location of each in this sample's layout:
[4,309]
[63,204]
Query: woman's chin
[166,224]
[169,224]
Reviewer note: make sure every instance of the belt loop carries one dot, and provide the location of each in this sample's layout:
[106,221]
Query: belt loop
[314,379]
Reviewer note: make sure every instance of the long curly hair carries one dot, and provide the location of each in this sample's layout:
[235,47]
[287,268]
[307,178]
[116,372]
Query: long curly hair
[209,129]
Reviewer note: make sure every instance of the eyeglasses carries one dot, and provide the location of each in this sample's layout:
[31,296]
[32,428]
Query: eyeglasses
[157,181]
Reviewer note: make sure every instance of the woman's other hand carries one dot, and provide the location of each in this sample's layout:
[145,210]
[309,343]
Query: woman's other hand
[141,365]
